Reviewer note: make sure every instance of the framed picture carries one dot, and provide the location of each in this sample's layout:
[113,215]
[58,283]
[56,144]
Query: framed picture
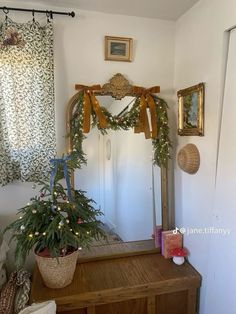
[191,110]
[118,48]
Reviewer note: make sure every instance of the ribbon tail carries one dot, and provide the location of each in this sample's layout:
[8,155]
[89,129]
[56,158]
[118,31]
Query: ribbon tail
[66,175]
[96,107]
[137,128]
[87,113]
[139,125]
[144,123]
[153,113]
[53,175]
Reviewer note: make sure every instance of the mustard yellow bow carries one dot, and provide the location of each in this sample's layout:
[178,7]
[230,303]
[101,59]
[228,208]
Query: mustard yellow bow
[145,91]
[90,102]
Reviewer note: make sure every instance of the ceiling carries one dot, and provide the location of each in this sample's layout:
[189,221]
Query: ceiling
[162,9]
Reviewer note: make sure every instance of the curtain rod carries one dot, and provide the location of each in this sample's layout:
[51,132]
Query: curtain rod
[50,12]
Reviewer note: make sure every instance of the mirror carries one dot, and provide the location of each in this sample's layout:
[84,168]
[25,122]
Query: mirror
[120,176]
[121,179]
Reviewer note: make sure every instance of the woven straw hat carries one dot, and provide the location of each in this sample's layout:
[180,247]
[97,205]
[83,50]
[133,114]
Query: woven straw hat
[189,158]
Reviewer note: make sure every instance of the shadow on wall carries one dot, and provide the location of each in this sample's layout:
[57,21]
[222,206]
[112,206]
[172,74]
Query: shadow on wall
[13,197]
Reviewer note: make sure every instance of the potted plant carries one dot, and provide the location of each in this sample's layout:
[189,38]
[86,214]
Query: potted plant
[56,223]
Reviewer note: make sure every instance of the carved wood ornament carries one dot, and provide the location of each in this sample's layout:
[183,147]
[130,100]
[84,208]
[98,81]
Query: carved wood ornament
[118,87]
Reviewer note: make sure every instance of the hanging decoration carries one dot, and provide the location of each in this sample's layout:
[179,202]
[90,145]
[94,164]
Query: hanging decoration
[136,118]
[147,102]
[12,38]
[90,103]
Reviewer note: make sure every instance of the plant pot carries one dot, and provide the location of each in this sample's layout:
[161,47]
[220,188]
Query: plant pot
[57,272]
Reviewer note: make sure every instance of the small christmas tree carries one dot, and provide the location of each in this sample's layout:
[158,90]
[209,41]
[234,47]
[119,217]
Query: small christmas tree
[57,221]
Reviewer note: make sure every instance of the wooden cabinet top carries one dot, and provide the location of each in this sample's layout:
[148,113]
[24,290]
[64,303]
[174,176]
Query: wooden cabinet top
[114,280]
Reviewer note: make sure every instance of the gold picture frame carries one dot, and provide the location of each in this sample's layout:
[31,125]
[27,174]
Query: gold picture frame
[118,48]
[191,110]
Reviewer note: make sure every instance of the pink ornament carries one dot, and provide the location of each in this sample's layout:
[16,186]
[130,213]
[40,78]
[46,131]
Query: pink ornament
[79,221]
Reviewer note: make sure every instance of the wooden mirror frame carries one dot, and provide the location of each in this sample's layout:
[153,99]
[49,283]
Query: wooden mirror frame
[119,87]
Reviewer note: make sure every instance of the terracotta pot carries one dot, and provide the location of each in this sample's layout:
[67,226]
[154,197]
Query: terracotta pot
[57,272]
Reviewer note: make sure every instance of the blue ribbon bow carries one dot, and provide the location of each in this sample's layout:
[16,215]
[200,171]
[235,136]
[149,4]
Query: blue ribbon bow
[56,162]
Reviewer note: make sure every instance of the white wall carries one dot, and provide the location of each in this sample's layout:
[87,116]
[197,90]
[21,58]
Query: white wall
[79,58]
[200,54]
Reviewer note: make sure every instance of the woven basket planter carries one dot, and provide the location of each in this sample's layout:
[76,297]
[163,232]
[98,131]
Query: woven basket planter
[189,158]
[57,272]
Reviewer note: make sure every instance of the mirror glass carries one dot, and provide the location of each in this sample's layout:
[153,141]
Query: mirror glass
[121,179]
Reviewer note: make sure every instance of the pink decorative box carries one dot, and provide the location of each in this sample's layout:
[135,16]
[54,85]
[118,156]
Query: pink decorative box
[157,236]
[170,241]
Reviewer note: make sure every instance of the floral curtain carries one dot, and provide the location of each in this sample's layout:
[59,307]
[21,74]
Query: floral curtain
[27,126]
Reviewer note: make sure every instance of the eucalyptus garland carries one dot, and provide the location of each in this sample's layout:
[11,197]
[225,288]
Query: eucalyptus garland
[128,120]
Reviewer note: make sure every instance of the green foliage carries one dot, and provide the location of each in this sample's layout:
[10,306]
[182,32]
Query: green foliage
[53,222]
[128,120]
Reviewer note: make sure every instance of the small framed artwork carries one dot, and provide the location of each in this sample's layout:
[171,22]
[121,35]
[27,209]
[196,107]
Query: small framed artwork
[118,48]
[191,110]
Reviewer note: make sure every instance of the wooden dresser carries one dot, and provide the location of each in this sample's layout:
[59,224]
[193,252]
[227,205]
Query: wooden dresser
[144,284]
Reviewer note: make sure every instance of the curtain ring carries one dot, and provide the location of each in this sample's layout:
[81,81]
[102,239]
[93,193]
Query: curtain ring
[33,15]
[48,16]
[5,10]
[51,15]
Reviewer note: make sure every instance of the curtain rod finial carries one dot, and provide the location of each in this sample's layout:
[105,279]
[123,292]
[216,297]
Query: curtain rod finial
[72,14]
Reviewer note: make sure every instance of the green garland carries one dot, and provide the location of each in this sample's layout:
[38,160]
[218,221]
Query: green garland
[161,145]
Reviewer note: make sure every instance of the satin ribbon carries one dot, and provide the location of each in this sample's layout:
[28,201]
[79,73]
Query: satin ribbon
[145,91]
[90,102]
[147,102]
[56,162]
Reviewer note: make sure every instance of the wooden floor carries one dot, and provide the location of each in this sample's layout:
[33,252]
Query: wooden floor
[138,284]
